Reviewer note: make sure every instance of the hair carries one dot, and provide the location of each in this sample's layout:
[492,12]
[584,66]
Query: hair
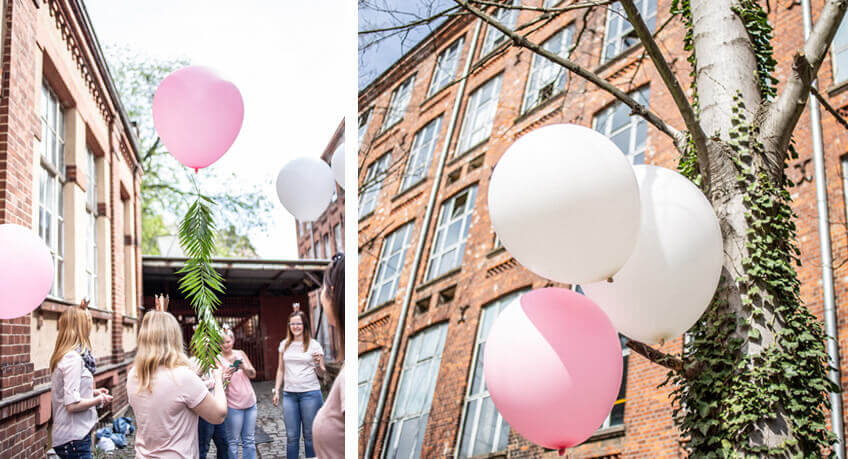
[307,331]
[74,331]
[334,282]
[160,344]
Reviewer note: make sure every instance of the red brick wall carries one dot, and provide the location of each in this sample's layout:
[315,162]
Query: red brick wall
[487,274]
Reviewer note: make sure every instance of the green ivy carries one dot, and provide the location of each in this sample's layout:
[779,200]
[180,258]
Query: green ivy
[760,32]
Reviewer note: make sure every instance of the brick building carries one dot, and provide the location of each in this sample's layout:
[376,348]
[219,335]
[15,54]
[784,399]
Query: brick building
[320,239]
[69,169]
[428,143]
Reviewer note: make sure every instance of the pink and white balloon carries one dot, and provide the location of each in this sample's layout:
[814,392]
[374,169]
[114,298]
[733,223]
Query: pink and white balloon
[670,278]
[564,201]
[26,273]
[553,366]
[305,187]
[198,115]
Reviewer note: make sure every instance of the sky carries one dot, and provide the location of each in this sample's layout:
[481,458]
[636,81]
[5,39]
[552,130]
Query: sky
[289,59]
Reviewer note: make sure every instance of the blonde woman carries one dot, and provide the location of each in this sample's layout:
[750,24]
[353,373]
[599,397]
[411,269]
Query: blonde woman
[166,394]
[240,425]
[73,394]
[328,428]
[301,360]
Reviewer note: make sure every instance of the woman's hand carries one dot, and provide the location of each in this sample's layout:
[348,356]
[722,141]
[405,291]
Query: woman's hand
[276,398]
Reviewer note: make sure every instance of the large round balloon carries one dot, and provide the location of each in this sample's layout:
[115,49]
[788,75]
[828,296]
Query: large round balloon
[198,115]
[26,271]
[564,201]
[553,366]
[337,163]
[672,275]
[305,187]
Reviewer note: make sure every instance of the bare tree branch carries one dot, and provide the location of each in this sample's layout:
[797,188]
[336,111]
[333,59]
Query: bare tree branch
[669,361]
[829,107]
[635,106]
[575,6]
[448,13]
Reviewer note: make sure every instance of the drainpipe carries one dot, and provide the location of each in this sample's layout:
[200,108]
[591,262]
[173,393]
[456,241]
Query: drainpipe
[826,258]
[419,249]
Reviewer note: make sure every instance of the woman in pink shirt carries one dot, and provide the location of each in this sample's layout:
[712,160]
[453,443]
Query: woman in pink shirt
[166,394]
[241,400]
[328,427]
[73,394]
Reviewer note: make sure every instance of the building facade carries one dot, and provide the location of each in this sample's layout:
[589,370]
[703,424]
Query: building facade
[431,129]
[320,240]
[69,169]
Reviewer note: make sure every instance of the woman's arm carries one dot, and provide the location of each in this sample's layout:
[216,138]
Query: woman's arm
[248,367]
[279,380]
[213,408]
[87,403]
[72,379]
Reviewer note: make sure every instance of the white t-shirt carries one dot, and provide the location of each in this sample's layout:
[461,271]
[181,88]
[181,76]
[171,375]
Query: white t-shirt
[300,369]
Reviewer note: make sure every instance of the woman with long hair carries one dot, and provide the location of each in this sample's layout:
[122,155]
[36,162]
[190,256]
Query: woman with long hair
[166,394]
[73,394]
[241,400]
[301,360]
[328,428]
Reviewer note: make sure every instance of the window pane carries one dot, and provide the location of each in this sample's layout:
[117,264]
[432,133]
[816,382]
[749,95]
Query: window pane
[467,436]
[486,427]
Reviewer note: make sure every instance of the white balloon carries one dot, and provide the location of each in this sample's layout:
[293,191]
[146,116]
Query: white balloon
[338,164]
[565,203]
[305,187]
[668,282]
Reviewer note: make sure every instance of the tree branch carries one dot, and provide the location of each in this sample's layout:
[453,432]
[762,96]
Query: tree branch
[523,42]
[669,361]
[783,115]
[447,13]
[829,107]
[575,6]
[670,80]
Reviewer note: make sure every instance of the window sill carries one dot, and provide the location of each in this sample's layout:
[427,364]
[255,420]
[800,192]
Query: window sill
[467,152]
[57,305]
[539,107]
[436,96]
[496,50]
[837,88]
[609,432]
[495,251]
[620,57]
[408,189]
[366,215]
[436,280]
[379,307]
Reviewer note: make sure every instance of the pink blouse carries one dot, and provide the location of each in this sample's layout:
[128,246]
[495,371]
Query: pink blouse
[240,395]
[328,427]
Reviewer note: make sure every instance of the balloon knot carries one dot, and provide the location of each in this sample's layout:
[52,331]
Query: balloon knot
[609,279]
[196,170]
[561,451]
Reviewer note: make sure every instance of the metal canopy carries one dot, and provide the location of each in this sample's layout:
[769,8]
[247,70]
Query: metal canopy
[242,277]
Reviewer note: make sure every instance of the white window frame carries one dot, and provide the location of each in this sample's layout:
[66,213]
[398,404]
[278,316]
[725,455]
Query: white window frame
[390,249]
[364,119]
[409,385]
[616,17]
[839,48]
[337,234]
[328,251]
[494,37]
[448,217]
[446,64]
[399,101]
[625,355]
[483,327]
[51,187]
[635,152]
[91,268]
[479,114]
[545,73]
[365,380]
[374,177]
[421,153]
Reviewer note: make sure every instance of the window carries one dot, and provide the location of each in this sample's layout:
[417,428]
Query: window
[495,37]
[840,54]
[374,177]
[337,233]
[546,77]
[479,114]
[484,430]
[328,251]
[91,227]
[628,132]
[415,393]
[363,124]
[311,252]
[419,156]
[51,181]
[551,3]
[399,101]
[616,416]
[367,369]
[619,32]
[389,267]
[446,65]
[451,234]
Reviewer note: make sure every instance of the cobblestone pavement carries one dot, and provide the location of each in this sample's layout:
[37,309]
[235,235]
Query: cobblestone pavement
[270,418]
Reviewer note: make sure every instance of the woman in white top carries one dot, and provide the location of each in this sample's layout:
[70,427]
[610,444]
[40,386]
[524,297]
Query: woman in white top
[301,360]
[73,394]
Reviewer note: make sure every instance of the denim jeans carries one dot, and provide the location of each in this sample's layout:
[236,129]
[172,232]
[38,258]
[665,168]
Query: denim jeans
[77,449]
[241,425]
[300,408]
[215,432]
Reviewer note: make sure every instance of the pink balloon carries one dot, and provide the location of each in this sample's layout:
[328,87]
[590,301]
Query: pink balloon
[198,115]
[26,272]
[553,366]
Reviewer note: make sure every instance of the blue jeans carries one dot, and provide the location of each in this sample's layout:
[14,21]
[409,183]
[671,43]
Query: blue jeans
[241,425]
[300,408]
[77,449]
[217,433]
